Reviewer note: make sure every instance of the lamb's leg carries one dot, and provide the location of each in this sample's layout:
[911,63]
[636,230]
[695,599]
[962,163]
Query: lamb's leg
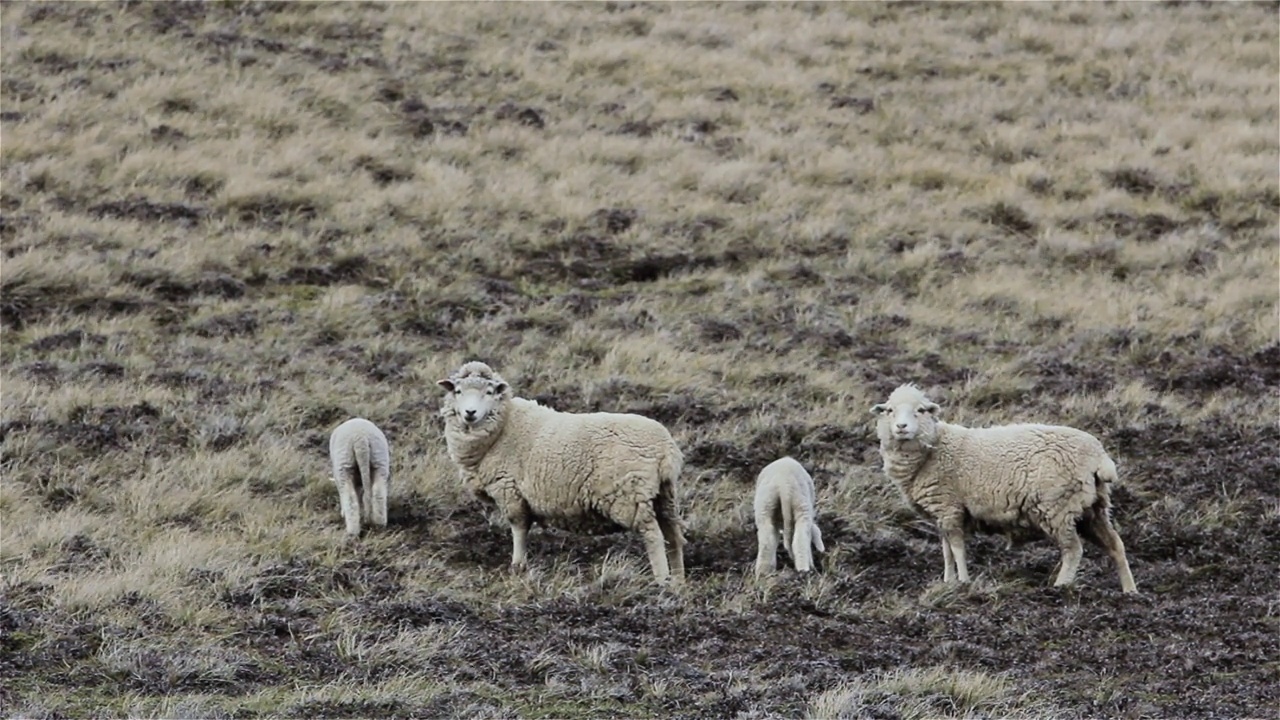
[802,546]
[952,529]
[349,501]
[1110,539]
[1072,551]
[378,506]
[766,547]
[788,531]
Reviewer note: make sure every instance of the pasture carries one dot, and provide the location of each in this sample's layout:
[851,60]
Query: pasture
[229,226]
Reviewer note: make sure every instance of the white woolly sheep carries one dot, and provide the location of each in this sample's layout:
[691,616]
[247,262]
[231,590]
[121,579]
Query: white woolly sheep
[361,459]
[784,505]
[595,472]
[1048,478]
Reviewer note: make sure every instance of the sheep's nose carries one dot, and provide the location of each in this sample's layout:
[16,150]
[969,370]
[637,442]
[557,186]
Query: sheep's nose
[471,414]
[902,426]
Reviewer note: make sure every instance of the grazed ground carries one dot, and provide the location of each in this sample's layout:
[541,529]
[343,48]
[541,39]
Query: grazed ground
[229,226]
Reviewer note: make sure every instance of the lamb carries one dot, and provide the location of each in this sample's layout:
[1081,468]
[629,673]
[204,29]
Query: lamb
[784,496]
[594,473]
[1047,478]
[361,459]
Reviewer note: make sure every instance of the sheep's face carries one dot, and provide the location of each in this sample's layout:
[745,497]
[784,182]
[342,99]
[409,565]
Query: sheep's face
[473,399]
[907,415]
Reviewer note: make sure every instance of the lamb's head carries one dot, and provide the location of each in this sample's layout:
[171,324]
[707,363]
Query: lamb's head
[906,416]
[476,395]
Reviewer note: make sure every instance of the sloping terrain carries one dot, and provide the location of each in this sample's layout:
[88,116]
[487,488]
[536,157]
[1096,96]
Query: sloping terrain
[227,227]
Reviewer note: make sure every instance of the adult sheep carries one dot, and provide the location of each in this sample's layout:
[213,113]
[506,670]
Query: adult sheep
[595,472]
[784,506]
[361,462]
[1049,478]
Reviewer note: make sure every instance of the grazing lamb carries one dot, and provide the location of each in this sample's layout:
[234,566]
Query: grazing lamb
[1049,478]
[361,461]
[784,505]
[596,472]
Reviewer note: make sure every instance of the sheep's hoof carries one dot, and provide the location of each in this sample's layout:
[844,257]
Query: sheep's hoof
[518,568]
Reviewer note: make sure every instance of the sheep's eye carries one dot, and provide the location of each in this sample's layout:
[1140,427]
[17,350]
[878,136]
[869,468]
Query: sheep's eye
[489,391]
[922,410]
[457,392]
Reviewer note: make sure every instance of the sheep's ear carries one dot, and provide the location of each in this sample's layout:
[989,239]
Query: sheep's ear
[499,388]
[931,408]
[447,384]
[879,408]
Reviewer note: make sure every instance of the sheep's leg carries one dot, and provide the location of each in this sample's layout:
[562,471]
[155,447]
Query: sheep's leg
[1072,551]
[378,505]
[673,540]
[1110,539]
[655,546]
[519,542]
[664,506]
[948,562]
[788,531]
[953,535]
[766,548]
[802,547]
[349,501]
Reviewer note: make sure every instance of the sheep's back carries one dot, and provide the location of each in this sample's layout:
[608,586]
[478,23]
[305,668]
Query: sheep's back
[580,463]
[786,485]
[1022,475]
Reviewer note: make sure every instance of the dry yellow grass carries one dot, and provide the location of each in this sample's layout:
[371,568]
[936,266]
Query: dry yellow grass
[229,226]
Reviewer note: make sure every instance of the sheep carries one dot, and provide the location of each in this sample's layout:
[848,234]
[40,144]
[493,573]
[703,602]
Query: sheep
[1047,478]
[784,497]
[594,472]
[361,459]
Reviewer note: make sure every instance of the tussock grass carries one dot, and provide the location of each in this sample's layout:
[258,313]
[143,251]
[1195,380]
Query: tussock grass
[227,227]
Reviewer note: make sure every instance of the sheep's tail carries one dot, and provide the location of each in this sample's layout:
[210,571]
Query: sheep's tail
[1103,477]
[362,452]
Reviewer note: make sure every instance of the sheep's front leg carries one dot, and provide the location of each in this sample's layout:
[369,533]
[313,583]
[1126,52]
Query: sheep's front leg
[952,529]
[519,541]
[948,562]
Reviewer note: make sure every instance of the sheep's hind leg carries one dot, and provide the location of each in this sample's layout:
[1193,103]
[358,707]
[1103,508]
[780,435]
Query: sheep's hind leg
[1072,551]
[641,518]
[948,562]
[349,501]
[673,539]
[664,506]
[378,505]
[766,548]
[1107,536]
[802,546]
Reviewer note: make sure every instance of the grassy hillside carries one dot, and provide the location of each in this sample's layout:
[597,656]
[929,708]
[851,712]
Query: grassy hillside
[227,227]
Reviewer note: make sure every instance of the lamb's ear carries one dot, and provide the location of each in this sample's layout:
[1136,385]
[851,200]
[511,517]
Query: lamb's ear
[499,388]
[931,407]
[447,384]
[879,408]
